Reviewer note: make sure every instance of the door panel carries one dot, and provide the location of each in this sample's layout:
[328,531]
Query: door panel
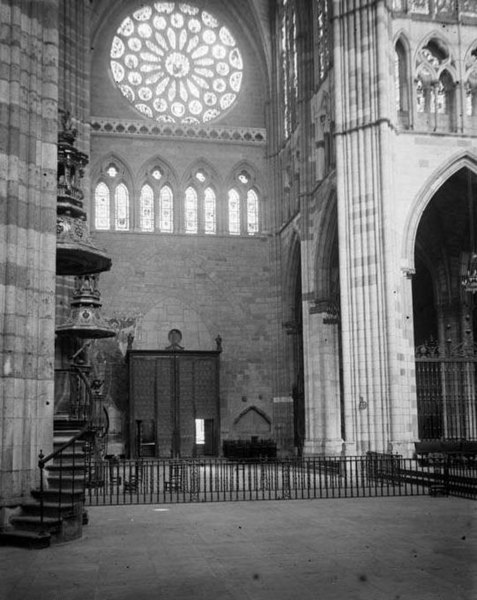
[173,389]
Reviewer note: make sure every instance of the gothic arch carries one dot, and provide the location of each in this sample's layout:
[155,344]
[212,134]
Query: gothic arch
[144,172]
[424,196]
[293,269]
[244,165]
[440,40]
[98,170]
[196,165]
[326,244]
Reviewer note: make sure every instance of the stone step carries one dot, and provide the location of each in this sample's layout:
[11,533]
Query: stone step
[25,539]
[66,497]
[50,509]
[66,467]
[33,523]
[68,480]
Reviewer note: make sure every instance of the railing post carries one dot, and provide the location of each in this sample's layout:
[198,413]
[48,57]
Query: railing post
[41,466]
[447,459]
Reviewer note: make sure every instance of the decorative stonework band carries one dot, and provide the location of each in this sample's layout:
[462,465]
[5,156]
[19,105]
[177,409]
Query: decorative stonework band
[236,135]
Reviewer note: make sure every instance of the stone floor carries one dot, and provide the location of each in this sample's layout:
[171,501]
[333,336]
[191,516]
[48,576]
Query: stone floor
[416,548]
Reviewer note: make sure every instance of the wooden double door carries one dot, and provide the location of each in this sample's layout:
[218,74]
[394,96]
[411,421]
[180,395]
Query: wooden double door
[174,403]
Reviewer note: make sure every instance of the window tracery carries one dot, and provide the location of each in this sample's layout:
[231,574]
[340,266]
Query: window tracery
[435,84]
[176,63]
[160,206]
[243,205]
[111,200]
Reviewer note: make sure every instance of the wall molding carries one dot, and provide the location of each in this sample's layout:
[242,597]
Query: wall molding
[254,136]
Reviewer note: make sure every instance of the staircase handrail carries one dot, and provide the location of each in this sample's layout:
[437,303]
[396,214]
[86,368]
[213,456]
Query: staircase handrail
[43,460]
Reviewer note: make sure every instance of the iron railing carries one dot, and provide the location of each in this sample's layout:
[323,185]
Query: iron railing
[144,481]
[64,493]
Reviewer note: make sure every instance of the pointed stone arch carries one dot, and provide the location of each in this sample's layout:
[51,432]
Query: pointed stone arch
[433,183]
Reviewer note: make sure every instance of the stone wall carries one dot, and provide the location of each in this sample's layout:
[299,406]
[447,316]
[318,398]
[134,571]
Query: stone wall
[204,286]
[28,135]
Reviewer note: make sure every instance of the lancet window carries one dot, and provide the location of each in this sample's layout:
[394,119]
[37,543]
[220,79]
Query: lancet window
[322,11]
[111,201]
[401,83]
[289,64]
[243,206]
[200,204]
[159,206]
[471,83]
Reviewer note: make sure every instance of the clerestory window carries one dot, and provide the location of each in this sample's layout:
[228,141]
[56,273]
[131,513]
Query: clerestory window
[111,201]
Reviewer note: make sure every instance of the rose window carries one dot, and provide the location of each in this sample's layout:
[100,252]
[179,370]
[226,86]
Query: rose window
[176,63]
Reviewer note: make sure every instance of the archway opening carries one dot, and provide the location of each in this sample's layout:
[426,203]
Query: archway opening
[298,388]
[445,321]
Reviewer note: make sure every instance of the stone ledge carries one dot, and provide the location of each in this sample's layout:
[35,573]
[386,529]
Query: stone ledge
[204,133]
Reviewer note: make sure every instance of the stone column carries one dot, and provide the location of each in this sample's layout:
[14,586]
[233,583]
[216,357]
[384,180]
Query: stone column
[28,135]
[377,388]
[322,385]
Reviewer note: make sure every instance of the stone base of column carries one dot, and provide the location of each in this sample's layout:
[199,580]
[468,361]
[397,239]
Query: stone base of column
[323,447]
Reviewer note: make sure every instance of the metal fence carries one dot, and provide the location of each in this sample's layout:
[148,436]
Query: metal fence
[157,481]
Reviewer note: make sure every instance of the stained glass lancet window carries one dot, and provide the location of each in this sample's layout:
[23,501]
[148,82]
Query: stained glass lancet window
[471,84]
[176,63]
[102,209]
[146,208]
[234,212]
[166,210]
[190,210]
[252,212]
[323,41]
[210,217]
[289,62]
[121,207]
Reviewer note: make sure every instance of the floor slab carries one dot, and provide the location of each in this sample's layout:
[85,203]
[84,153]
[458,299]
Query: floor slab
[409,548]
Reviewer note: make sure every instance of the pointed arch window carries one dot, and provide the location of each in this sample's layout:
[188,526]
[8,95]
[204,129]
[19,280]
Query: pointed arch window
[322,35]
[121,208]
[471,84]
[401,83]
[166,210]
[146,208]
[102,216]
[234,212]
[191,224]
[252,212]
[289,63]
[210,211]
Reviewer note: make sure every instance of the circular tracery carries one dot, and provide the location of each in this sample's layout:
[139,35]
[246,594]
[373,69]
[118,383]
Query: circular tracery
[176,63]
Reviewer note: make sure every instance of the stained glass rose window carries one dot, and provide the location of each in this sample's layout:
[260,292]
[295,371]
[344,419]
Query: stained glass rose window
[176,63]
